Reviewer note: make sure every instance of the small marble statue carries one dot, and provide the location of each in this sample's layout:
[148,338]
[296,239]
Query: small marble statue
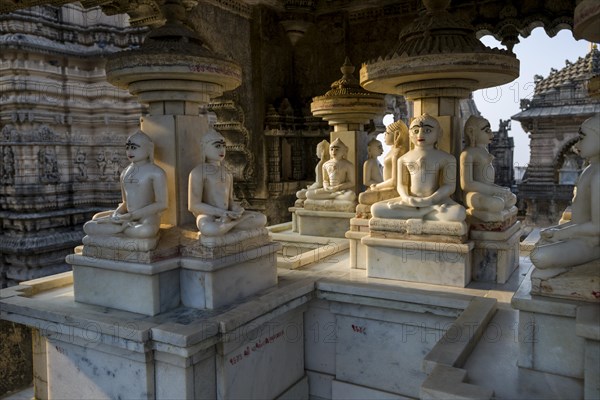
[396,135]
[485,200]
[426,179]
[210,196]
[372,169]
[144,191]
[338,176]
[578,241]
[323,155]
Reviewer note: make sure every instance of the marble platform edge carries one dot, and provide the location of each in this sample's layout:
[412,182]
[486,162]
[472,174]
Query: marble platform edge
[455,346]
[229,318]
[284,226]
[123,266]
[527,245]
[38,285]
[356,235]
[212,265]
[327,214]
[297,238]
[462,248]
[394,292]
[315,255]
[523,300]
[449,383]
[76,321]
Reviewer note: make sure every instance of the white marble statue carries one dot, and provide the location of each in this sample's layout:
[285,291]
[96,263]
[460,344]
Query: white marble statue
[144,191]
[485,200]
[577,241]
[372,168]
[323,155]
[426,179]
[338,176]
[210,196]
[396,135]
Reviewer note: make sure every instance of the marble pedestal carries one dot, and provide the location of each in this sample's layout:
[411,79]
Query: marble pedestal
[143,288]
[212,283]
[359,228]
[323,223]
[216,271]
[496,254]
[419,251]
[559,336]
[438,263]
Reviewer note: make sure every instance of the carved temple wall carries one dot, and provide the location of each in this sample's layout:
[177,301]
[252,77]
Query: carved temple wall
[62,129]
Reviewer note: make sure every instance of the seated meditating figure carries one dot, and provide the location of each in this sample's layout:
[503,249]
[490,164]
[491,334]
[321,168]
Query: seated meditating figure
[144,191]
[485,199]
[396,135]
[577,241]
[426,179]
[323,155]
[210,195]
[338,176]
[372,169]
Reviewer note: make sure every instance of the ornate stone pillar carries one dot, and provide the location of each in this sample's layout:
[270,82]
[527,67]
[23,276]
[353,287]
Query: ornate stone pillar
[438,61]
[174,73]
[347,107]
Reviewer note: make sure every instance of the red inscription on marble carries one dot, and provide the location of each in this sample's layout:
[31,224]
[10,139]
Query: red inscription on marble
[256,346]
[359,329]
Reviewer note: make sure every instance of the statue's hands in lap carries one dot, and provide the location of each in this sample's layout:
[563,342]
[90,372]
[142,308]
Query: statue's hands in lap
[551,234]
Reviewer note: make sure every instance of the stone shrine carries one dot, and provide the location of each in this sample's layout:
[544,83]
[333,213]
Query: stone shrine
[207,313]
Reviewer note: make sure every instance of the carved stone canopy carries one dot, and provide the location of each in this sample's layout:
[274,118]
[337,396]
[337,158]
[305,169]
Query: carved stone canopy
[497,17]
[347,101]
[439,54]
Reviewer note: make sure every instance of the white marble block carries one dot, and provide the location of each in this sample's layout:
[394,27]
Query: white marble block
[383,349]
[264,361]
[323,223]
[359,228]
[419,261]
[212,283]
[548,340]
[496,254]
[137,287]
[81,369]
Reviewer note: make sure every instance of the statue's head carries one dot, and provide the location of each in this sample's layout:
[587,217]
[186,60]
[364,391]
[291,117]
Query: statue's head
[588,145]
[395,132]
[477,131]
[424,129]
[323,150]
[213,146]
[337,149]
[139,146]
[374,148]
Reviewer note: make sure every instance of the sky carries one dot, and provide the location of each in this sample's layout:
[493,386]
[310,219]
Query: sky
[538,53]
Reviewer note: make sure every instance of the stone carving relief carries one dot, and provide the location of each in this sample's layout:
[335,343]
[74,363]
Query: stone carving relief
[7,167]
[81,165]
[115,165]
[48,165]
[101,164]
